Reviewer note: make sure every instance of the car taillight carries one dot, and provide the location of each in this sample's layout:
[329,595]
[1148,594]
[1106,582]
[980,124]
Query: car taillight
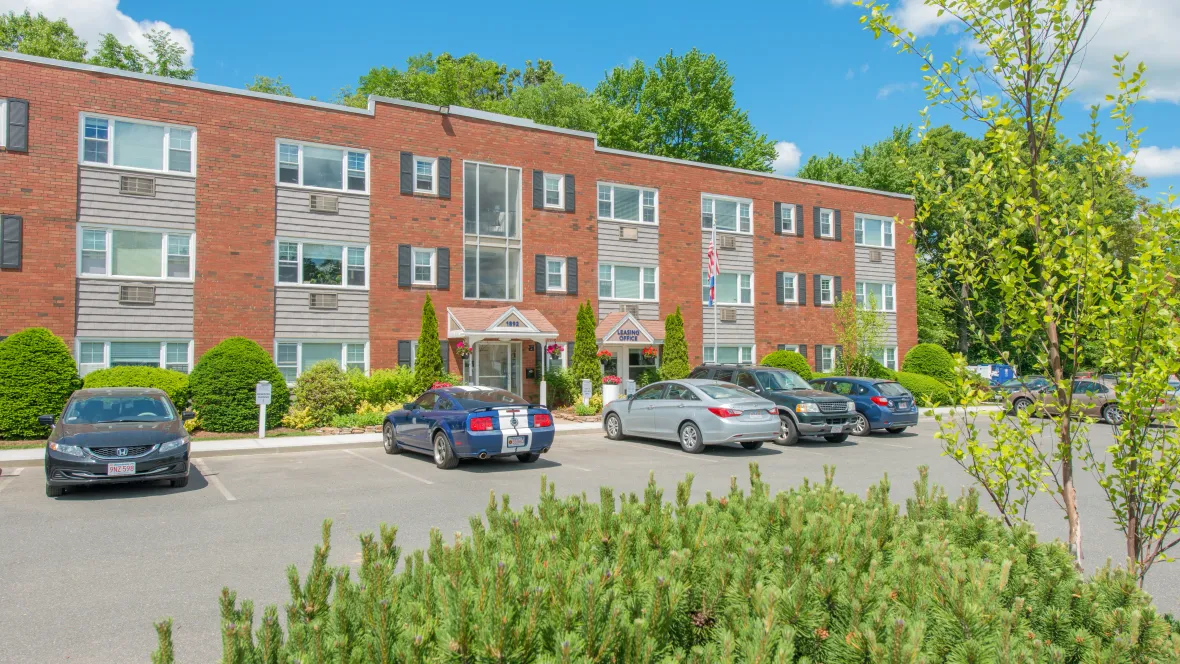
[772,411]
[724,412]
[479,424]
[880,401]
[542,420]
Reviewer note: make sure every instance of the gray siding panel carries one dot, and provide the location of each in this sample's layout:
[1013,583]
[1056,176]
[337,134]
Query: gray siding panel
[99,313]
[867,270]
[647,310]
[294,219]
[891,330]
[174,207]
[295,319]
[642,252]
[739,259]
[741,332]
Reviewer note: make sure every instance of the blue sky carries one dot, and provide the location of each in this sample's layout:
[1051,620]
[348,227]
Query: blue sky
[804,69]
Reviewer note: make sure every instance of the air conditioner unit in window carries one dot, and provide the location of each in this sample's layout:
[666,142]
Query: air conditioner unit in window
[325,203]
[628,233]
[632,309]
[137,295]
[136,185]
[728,314]
[323,300]
[728,242]
[874,255]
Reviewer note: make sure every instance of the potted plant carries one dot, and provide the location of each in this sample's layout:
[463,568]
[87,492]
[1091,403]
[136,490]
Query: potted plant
[554,351]
[462,350]
[610,388]
[651,352]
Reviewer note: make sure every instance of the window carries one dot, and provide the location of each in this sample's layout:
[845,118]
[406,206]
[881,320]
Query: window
[622,282]
[732,288]
[794,348]
[295,357]
[827,359]
[825,224]
[314,264]
[650,393]
[875,296]
[887,356]
[555,274]
[554,191]
[680,393]
[491,224]
[323,167]
[727,214]
[137,144]
[176,356]
[638,359]
[425,266]
[788,219]
[136,254]
[790,287]
[873,231]
[730,355]
[491,273]
[826,296]
[622,203]
[95,355]
[3,122]
[425,175]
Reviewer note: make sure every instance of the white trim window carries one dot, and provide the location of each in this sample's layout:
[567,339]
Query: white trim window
[295,357]
[628,283]
[555,274]
[730,215]
[870,231]
[729,354]
[794,348]
[137,145]
[790,288]
[321,167]
[491,226]
[887,356]
[787,216]
[875,296]
[95,354]
[620,202]
[425,266]
[3,122]
[827,289]
[826,226]
[826,359]
[733,288]
[425,175]
[331,264]
[554,191]
[135,253]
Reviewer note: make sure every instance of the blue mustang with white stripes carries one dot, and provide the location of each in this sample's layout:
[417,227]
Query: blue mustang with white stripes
[465,422]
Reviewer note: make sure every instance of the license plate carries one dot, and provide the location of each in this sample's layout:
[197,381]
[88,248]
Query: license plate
[903,405]
[517,441]
[756,415]
[837,428]
[117,469]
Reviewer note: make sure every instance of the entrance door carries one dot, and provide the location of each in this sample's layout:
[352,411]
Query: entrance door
[498,365]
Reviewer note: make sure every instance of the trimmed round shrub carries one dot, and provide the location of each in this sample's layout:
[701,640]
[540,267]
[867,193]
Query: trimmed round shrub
[923,387]
[174,383]
[222,387]
[325,391]
[37,377]
[788,359]
[930,360]
[865,366]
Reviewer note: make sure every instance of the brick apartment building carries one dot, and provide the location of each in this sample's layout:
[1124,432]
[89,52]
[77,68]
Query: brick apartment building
[146,219]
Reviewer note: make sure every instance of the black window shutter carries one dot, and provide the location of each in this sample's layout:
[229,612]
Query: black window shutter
[444,349]
[407,173]
[799,220]
[569,357]
[571,275]
[803,350]
[404,258]
[539,274]
[403,353]
[538,189]
[569,193]
[837,294]
[782,347]
[18,125]
[801,284]
[836,223]
[443,258]
[816,279]
[815,220]
[444,177]
[778,219]
[11,231]
[779,292]
[540,359]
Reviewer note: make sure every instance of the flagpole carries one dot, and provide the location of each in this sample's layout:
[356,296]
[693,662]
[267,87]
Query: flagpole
[713,244]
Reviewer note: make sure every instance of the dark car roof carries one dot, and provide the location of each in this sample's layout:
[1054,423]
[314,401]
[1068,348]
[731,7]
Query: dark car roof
[856,379]
[119,392]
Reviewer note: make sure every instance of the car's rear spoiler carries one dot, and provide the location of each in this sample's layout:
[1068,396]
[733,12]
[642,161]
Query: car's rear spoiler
[517,406]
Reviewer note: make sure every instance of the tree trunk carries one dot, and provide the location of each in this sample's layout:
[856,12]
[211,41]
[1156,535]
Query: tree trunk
[1132,532]
[964,324]
[1069,496]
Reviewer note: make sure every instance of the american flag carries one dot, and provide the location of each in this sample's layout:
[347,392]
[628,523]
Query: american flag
[714,270]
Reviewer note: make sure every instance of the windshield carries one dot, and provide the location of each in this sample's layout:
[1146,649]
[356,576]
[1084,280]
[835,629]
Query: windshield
[476,398]
[892,389]
[724,391]
[782,380]
[99,410]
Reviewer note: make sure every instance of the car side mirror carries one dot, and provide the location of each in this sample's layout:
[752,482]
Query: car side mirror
[409,406]
[47,420]
[187,415]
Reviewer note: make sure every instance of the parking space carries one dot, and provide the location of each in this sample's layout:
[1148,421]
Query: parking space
[148,552]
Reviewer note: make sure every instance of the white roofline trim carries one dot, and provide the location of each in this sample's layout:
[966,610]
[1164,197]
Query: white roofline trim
[513,120]
[628,317]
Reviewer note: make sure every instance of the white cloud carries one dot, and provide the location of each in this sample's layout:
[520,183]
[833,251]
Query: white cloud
[892,88]
[849,74]
[1154,161]
[788,157]
[91,18]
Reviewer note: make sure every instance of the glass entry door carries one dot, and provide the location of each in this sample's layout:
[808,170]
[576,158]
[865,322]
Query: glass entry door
[498,365]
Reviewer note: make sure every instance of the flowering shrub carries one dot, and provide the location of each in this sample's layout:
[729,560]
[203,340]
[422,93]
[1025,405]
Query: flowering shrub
[604,354]
[611,380]
[554,351]
[437,384]
[651,352]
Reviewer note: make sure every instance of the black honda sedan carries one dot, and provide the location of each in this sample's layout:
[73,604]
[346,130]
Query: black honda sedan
[112,435]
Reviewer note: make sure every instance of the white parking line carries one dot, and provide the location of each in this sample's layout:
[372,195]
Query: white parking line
[12,473]
[388,467]
[686,455]
[904,447]
[570,465]
[212,478]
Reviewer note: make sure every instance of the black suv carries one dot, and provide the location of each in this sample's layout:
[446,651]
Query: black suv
[803,411]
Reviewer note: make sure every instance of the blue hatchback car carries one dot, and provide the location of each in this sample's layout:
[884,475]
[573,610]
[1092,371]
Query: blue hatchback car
[880,404]
[464,422]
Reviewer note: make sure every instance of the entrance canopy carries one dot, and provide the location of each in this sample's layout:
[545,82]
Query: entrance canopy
[621,328]
[478,323]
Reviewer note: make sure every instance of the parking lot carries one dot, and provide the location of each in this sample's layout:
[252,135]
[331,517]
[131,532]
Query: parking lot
[84,576]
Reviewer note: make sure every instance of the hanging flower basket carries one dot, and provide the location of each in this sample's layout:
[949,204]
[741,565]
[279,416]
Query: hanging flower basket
[462,350]
[611,380]
[651,352]
[554,351]
[604,354]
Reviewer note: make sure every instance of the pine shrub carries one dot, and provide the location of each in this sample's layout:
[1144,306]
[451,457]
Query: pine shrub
[930,360]
[37,377]
[173,383]
[325,391]
[674,364]
[926,390]
[812,574]
[222,387]
[428,368]
[585,363]
[788,359]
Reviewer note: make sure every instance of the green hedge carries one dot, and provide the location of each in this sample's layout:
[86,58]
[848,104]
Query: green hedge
[37,377]
[930,360]
[174,383]
[384,385]
[788,359]
[812,574]
[925,387]
[222,387]
[325,391]
[560,388]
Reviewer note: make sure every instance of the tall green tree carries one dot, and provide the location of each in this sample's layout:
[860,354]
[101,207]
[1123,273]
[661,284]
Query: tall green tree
[37,35]
[584,363]
[860,331]
[117,55]
[428,367]
[166,57]
[674,364]
[273,86]
[442,80]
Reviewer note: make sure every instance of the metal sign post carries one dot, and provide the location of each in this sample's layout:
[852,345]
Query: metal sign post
[587,391]
[262,399]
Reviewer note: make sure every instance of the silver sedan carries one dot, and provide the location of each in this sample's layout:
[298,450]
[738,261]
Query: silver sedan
[694,413]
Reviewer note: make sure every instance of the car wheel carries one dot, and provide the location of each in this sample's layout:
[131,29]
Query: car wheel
[1021,404]
[751,444]
[443,456]
[836,438]
[860,425]
[180,483]
[388,441]
[690,438]
[528,457]
[54,491]
[613,426]
[895,429]
[1112,414]
[788,433]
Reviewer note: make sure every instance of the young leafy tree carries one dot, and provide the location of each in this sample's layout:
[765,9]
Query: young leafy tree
[467,80]
[428,367]
[166,57]
[37,35]
[860,331]
[675,363]
[117,55]
[273,86]
[585,363]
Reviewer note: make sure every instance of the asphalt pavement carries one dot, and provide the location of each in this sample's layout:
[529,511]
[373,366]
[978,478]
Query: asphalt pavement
[83,577]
